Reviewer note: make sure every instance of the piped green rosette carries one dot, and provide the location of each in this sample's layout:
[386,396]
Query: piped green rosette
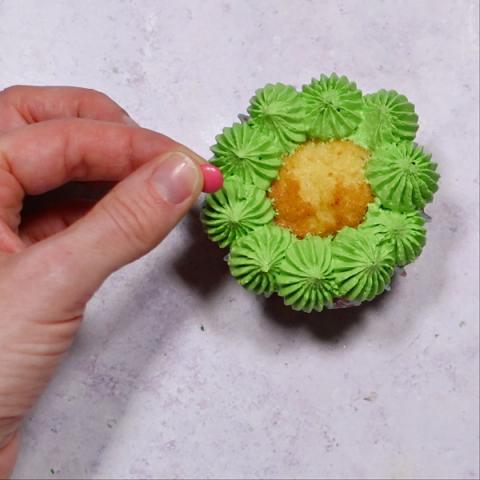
[386,118]
[255,259]
[247,153]
[405,232]
[306,278]
[356,264]
[333,107]
[279,112]
[235,210]
[363,264]
[402,176]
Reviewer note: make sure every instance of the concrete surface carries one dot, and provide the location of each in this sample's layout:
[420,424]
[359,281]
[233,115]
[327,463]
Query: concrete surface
[178,372]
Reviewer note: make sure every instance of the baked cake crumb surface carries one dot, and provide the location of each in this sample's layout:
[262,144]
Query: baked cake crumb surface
[321,188]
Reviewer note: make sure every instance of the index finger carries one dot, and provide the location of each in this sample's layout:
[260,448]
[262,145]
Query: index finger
[46,155]
[38,158]
[22,105]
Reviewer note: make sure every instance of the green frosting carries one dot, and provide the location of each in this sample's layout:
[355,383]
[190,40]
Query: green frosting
[306,277]
[333,106]
[254,259]
[279,111]
[235,210]
[404,231]
[402,176]
[363,265]
[357,264]
[247,153]
[388,117]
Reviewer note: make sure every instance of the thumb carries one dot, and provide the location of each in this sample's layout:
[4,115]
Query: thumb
[47,285]
[128,222]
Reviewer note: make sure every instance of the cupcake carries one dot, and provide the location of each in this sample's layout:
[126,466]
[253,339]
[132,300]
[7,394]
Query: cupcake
[324,193]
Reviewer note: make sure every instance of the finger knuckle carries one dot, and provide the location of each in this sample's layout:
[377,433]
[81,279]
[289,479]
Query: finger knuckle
[98,95]
[130,219]
[11,90]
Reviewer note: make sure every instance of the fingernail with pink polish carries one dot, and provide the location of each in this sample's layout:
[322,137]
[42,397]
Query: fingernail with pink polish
[175,178]
[212,178]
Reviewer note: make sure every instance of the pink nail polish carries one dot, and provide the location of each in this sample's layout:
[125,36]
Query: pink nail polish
[212,178]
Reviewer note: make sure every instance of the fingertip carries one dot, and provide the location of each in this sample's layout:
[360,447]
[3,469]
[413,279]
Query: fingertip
[212,178]
[176,178]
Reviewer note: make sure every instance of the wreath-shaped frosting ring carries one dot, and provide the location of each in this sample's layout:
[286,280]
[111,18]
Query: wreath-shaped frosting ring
[357,263]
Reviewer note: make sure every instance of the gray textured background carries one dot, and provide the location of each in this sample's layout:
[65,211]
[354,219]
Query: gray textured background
[388,390]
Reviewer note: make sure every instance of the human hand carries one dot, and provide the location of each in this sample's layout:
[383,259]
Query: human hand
[52,259]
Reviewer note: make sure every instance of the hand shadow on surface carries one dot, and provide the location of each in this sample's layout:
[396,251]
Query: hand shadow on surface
[202,264]
[109,357]
[203,268]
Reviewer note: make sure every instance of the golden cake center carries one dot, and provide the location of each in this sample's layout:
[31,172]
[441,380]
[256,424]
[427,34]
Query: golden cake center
[321,188]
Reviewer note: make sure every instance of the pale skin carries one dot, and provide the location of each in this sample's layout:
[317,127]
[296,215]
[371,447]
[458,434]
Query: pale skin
[54,258]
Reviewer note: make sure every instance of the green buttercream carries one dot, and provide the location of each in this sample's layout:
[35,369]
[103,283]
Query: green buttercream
[235,210]
[333,106]
[247,153]
[363,265]
[404,231]
[388,117]
[255,258]
[357,264]
[402,176]
[306,277]
[279,111]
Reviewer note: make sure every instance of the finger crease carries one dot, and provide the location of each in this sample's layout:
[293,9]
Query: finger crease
[6,166]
